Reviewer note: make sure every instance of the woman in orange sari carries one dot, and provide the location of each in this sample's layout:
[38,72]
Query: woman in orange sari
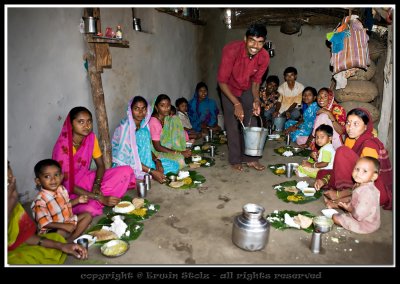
[359,143]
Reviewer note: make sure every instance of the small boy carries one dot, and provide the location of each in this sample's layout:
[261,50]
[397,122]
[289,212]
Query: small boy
[269,96]
[325,155]
[52,208]
[363,211]
[291,95]
[182,107]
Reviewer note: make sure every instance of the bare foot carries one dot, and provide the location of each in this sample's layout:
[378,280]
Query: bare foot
[237,167]
[256,165]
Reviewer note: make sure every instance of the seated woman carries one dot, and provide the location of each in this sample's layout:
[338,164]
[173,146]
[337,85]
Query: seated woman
[359,143]
[167,133]
[330,113]
[203,111]
[298,130]
[74,150]
[132,146]
[24,246]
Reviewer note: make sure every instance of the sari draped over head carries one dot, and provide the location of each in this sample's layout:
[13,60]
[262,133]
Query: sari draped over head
[20,228]
[306,127]
[340,115]
[346,158]
[205,112]
[76,170]
[134,147]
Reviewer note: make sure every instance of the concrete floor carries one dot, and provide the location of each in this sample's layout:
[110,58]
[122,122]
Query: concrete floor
[194,227]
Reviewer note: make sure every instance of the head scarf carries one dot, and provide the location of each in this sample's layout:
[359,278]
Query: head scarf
[124,145]
[73,166]
[385,172]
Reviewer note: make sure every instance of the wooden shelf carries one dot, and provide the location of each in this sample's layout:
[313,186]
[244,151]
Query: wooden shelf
[111,41]
[172,13]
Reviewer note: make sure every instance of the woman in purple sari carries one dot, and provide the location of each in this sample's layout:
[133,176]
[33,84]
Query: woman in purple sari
[74,150]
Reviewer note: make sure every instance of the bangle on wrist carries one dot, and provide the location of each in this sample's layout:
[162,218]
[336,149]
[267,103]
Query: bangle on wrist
[236,104]
[314,165]
[149,170]
[96,196]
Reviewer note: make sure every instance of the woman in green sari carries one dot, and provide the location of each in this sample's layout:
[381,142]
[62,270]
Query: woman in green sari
[167,133]
[24,246]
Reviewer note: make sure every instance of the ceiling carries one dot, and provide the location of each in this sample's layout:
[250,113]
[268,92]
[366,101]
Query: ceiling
[243,17]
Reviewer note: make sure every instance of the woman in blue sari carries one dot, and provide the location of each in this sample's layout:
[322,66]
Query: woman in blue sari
[203,111]
[300,130]
[131,144]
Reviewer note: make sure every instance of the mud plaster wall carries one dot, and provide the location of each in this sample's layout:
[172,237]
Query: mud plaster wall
[46,74]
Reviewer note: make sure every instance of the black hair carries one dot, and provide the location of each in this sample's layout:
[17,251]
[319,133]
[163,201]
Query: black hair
[173,110]
[180,101]
[73,113]
[375,162]
[257,30]
[45,163]
[312,90]
[290,69]
[138,99]
[201,85]
[160,98]
[360,113]
[272,78]
[325,128]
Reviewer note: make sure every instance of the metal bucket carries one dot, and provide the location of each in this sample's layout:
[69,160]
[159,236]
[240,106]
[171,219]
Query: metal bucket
[279,123]
[254,139]
[90,25]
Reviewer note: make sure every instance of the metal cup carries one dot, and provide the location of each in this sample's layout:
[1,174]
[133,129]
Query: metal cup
[141,189]
[207,138]
[147,181]
[210,131]
[288,140]
[212,150]
[83,242]
[315,242]
[289,170]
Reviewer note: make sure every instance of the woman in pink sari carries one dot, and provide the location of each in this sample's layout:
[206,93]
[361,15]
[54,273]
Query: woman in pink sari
[74,150]
[331,114]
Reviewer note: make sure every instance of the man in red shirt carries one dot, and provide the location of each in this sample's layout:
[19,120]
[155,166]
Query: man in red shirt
[242,66]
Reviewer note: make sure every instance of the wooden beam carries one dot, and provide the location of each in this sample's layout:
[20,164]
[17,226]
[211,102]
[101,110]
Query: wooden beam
[387,101]
[99,105]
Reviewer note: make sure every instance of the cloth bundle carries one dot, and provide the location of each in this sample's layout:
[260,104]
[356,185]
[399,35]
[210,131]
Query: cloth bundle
[349,45]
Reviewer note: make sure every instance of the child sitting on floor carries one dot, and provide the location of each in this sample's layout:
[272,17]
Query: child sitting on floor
[363,215]
[325,156]
[52,208]
[182,107]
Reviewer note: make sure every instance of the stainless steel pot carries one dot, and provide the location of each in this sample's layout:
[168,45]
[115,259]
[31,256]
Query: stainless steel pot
[90,25]
[250,229]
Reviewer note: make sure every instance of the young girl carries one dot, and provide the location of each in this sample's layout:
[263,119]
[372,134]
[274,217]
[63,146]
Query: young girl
[74,150]
[167,133]
[363,211]
[52,208]
[131,144]
[300,130]
[325,156]
[182,106]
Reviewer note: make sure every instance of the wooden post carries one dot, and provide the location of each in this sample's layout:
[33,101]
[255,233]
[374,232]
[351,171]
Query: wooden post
[99,105]
[387,101]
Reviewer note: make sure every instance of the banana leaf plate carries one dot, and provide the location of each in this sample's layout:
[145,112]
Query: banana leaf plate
[196,180]
[277,219]
[139,214]
[295,197]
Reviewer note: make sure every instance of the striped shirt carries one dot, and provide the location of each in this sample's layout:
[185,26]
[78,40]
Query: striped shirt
[52,206]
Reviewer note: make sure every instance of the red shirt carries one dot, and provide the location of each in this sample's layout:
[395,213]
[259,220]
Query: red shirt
[237,70]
